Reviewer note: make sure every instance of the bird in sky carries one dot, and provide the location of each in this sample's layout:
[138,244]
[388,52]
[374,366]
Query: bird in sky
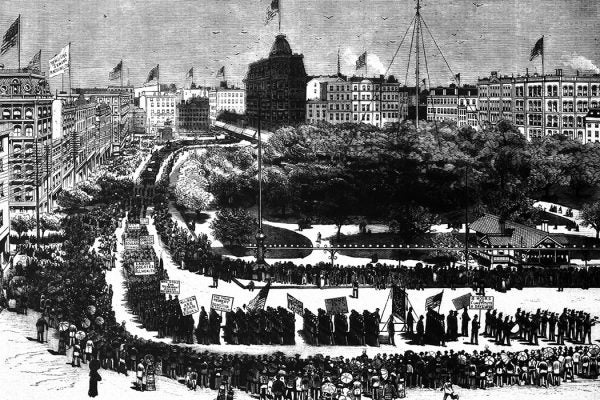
[216,32]
[328,16]
[453,34]
[384,18]
[237,54]
[244,32]
[477,4]
[392,41]
[318,38]
[104,15]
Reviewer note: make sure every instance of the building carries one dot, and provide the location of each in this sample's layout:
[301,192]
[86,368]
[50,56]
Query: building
[316,87]
[192,115]
[187,94]
[592,126]
[456,104]
[276,86]
[540,105]
[161,110]
[26,106]
[225,98]
[503,238]
[5,131]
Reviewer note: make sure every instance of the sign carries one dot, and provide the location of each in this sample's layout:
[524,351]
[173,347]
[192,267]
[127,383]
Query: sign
[189,305]
[147,240]
[481,302]
[170,287]
[133,227]
[144,268]
[221,303]
[59,63]
[144,221]
[336,305]
[131,244]
[295,305]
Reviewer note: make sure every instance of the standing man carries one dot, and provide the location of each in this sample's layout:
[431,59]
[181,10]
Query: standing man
[141,369]
[420,331]
[355,288]
[42,327]
[391,330]
[465,322]
[475,331]
[410,320]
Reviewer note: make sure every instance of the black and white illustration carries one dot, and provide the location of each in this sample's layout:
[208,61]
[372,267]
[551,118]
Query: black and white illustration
[299,199]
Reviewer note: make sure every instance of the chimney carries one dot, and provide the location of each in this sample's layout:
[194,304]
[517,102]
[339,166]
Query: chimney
[526,71]
[545,225]
[559,72]
[577,72]
[502,224]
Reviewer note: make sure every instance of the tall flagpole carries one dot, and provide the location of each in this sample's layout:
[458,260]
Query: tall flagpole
[279,15]
[119,111]
[543,51]
[417,26]
[19,43]
[70,83]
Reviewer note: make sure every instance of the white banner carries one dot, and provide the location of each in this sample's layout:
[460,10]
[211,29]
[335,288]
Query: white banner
[221,303]
[60,62]
[132,244]
[133,227]
[146,240]
[170,287]
[144,221]
[481,303]
[144,268]
[189,305]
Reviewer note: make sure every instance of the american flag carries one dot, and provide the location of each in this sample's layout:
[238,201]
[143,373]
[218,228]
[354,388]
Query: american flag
[272,11]
[434,301]
[362,61]
[258,303]
[462,301]
[11,36]
[116,72]
[153,74]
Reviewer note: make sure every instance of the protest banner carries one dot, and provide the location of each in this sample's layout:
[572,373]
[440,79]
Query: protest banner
[189,305]
[221,303]
[170,287]
[336,305]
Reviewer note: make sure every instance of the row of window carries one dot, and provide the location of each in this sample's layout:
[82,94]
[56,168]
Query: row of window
[535,90]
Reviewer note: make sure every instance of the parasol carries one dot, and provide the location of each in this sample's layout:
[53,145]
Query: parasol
[63,326]
[86,323]
[489,360]
[505,358]
[548,352]
[384,373]
[522,356]
[462,359]
[328,388]
[594,350]
[91,310]
[80,335]
[99,321]
[346,377]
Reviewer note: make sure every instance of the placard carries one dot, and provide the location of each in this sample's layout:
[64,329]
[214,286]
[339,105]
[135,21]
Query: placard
[481,302]
[189,305]
[336,305]
[133,227]
[144,221]
[170,287]
[131,244]
[221,303]
[146,240]
[295,305]
[144,267]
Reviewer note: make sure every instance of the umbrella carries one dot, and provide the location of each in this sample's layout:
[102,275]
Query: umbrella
[462,359]
[80,335]
[73,327]
[281,372]
[99,321]
[489,360]
[594,350]
[86,323]
[346,377]
[384,373]
[63,326]
[505,358]
[91,310]
[548,352]
[522,356]
[328,388]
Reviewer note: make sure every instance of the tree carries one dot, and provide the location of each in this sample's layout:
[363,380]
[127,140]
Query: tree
[49,222]
[411,222]
[73,199]
[234,225]
[22,223]
[442,242]
[591,216]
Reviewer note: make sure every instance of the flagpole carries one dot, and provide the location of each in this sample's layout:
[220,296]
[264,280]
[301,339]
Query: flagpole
[19,43]
[543,51]
[158,77]
[279,15]
[70,83]
[440,306]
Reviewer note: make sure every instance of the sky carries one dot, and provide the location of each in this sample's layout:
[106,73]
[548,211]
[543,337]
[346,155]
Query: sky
[475,37]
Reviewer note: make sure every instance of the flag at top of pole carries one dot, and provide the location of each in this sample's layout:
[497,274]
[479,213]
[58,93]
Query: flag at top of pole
[221,72]
[11,36]
[258,303]
[153,74]
[190,73]
[116,72]
[361,62]
[538,49]
[434,301]
[35,65]
[272,11]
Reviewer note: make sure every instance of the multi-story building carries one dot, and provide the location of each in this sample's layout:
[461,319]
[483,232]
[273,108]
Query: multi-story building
[540,105]
[161,110]
[226,99]
[456,104]
[138,116]
[5,131]
[276,86]
[26,106]
[592,126]
[187,94]
[192,115]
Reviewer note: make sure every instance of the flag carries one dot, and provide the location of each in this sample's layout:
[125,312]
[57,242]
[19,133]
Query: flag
[11,36]
[153,74]
[116,72]
[398,302]
[434,301]
[35,65]
[60,62]
[272,11]
[362,61]
[457,79]
[221,72]
[538,49]
[258,303]
[190,73]
[462,301]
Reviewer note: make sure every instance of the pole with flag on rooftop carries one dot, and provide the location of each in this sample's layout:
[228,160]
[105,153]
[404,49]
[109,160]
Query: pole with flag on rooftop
[538,50]
[154,74]
[12,38]
[190,74]
[273,10]
[35,65]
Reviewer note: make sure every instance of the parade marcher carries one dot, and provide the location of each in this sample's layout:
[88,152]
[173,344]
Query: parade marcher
[420,332]
[410,320]
[474,331]
[465,323]
[94,379]
[391,331]
[448,390]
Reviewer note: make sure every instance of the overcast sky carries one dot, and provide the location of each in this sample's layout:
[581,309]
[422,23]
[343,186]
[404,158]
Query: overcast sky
[206,34]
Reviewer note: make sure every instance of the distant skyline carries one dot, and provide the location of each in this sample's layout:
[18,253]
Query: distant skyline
[207,34]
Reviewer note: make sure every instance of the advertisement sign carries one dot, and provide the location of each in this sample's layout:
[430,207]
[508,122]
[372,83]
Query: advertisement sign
[221,303]
[170,287]
[295,305]
[131,244]
[336,305]
[189,305]
[481,302]
[144,268]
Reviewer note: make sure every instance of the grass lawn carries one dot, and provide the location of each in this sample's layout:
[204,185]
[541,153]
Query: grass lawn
[566,197]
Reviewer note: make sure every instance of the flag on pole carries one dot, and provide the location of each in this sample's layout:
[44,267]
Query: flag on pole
[362,61]
[35,65]
[398,302]
[11,36]
[221,72]
[538,49]
[434,301]
[116,72]
[153,74]
[462,301]
[457,79]
[190,73]
[258,303]
[272,11]
[59,64]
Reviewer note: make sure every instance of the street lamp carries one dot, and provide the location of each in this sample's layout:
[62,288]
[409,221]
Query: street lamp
[260,236]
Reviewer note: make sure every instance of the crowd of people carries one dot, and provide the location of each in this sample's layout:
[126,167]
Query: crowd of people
[339,329]
[270,326]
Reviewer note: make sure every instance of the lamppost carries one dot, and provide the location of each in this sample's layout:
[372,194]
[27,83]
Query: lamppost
[260,236]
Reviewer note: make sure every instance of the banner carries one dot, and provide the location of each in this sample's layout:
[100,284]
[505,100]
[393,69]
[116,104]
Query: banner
[144,221]
[131,244]
[398,303]
[60,62]
[170,287]
[147,240]
[133,227]
[144,268]
[336,305]
[189,305]
[481,302]
[221,303]
[295,305]
[462,301]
